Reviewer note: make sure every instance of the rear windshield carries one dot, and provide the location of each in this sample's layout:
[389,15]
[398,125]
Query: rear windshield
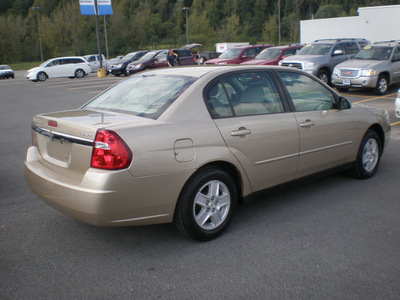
[142,95]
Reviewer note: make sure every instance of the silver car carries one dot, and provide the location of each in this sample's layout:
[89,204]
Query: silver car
[376,66]
[320,57]
[186,145]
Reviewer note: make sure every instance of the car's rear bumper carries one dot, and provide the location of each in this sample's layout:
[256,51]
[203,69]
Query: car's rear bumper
[106,198]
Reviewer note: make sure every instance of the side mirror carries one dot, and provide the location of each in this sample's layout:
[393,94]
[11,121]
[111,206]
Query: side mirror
[344,103]
[337,52]
[244,57]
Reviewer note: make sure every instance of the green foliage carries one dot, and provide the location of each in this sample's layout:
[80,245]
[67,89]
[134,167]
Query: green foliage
[329,11]
[145,24]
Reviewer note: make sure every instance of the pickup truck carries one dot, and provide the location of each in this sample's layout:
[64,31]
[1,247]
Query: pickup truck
[93,60]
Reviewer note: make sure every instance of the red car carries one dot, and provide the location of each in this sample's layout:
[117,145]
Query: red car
[237,55]
[273,55]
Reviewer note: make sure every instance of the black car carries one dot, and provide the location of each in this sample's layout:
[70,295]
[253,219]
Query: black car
[6,72]
[119,68]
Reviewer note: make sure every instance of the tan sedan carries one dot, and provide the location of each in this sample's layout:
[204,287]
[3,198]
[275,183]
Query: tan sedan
[185,145]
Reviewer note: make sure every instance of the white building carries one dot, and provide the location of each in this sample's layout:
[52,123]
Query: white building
[378,23]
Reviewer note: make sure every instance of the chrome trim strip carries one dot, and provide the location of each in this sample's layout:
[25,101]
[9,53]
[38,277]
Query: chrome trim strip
[62,136]
[327,147]
[261,162]
[138,219]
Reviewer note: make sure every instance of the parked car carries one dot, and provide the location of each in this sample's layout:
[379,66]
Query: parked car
[119,67]
[94,62]
[397,105]
[237,55]
[201,55]
[158,59]
[184,145]
[71,66]
[376,66]
[320,57]
[273,55]
[6,72]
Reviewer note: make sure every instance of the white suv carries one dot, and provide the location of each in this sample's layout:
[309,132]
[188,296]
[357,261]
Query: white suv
[71,66]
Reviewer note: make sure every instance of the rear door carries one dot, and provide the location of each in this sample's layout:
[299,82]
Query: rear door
[256,126]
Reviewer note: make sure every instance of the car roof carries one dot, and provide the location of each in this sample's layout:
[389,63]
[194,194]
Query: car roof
[287,46]
[340,40]
[68,57]
[391,43]
[199,71]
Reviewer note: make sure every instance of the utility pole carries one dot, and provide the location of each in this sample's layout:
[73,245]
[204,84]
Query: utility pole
[98,33]
[187,24]
[37,8]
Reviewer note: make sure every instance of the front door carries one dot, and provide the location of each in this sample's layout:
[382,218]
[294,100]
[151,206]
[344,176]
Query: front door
[327,134]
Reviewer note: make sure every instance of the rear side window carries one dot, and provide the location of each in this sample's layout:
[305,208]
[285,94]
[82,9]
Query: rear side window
[184,53]
[243,94]
[306,93]
[351,48]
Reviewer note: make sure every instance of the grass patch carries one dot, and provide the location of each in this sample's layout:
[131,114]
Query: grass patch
[24,65]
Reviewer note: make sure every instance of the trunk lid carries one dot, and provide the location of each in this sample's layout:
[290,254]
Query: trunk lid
[65,139]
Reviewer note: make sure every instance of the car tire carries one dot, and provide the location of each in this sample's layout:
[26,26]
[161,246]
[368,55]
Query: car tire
[41,76]
[368,156]
[324,76]
[382,85]
[79,73]
[206,204]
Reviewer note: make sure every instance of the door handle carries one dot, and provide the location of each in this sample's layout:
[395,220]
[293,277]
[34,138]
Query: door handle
[307,124]
[241,132]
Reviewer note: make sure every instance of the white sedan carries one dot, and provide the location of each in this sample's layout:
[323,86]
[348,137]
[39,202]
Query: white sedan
[72,66]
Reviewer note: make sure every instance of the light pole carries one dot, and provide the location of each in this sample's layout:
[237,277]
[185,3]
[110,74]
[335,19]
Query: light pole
[187,26]
[37,8]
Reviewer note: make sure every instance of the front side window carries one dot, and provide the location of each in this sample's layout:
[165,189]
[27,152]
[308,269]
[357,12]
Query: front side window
[243,94]
[351,48]
[306,93]
[142,95]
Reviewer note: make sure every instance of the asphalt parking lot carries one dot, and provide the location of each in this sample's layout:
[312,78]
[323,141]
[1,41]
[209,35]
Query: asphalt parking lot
[331,237]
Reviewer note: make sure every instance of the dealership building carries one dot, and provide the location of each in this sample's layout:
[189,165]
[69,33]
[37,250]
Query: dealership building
[378,23]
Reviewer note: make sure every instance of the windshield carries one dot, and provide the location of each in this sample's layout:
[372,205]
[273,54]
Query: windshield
[148,56]
[231,53]
[45,63]
[4,67]
[128,57]
[315,49]
[269,54]
[375,53]
[142,95]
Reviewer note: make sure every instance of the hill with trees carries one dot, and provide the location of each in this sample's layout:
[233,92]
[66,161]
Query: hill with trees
[145,24]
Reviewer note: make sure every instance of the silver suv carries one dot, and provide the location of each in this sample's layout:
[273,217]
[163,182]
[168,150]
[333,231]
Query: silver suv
[376,66]
[320,57]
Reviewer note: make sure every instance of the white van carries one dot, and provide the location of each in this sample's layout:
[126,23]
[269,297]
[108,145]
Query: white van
[71,66]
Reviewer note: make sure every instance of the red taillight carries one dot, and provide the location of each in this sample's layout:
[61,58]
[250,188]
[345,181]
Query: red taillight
[110,151]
